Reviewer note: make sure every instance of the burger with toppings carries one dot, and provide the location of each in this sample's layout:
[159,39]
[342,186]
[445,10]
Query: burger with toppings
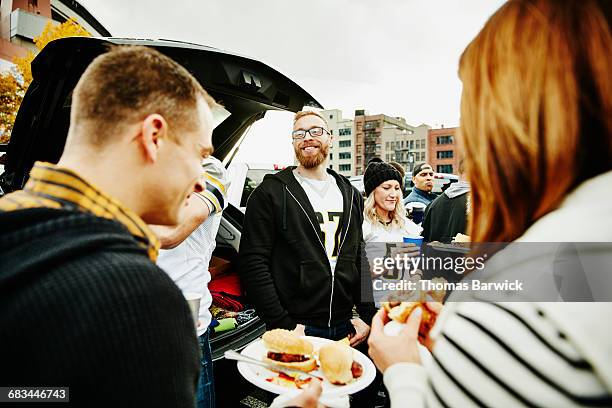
[287,349]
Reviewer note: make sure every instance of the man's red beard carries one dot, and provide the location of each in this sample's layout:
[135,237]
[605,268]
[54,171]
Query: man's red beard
[311,162]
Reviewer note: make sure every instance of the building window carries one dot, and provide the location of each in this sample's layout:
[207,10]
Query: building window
[387,145]
[331,156]
[445,168]
[445,154]
[345,167]
[418,144]
[411,144]
[423,143]
[331,116]
[344,143]
[344,132]
[344,155]
[442,140]
[371,124]
[402,145]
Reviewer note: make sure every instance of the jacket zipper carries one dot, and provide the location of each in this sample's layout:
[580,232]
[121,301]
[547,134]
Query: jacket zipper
[309,220]
[331,297]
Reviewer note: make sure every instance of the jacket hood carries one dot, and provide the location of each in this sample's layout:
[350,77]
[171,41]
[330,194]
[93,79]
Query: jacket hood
[286,176]
[291,186]
[458,188]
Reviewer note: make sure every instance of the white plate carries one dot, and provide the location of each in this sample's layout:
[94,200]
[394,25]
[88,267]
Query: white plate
[257,375]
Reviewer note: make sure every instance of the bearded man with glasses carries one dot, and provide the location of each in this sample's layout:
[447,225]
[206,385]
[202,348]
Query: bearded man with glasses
[301,246]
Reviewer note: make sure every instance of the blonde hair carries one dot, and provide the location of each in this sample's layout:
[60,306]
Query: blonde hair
[536,112]
[398,215]
[301,114]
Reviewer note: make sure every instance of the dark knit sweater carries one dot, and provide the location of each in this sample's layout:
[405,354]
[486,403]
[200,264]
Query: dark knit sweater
[81,305]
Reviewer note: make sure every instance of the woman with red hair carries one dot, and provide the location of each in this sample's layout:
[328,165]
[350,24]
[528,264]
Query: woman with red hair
[536,125]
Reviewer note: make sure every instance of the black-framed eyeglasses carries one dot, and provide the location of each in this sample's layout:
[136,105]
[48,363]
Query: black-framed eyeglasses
[315,133]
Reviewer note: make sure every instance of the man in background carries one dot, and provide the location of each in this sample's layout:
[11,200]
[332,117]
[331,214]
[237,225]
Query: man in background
[446,216]
[422,177]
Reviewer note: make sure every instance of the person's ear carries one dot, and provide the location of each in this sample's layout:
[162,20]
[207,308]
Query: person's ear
[153,134]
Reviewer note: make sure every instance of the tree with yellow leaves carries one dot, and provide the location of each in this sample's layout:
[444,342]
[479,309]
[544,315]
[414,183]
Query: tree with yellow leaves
[14,84]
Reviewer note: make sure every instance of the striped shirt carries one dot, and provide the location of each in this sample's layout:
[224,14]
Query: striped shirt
[502,355]
[51,186]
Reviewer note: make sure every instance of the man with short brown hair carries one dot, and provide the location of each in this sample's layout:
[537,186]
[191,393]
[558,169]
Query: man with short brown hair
[82,304]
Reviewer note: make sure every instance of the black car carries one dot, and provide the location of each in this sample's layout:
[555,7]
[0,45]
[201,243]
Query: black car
[247,88]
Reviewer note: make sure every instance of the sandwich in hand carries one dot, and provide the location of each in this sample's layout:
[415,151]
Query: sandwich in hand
[287,349]
[338,365]
[399,312]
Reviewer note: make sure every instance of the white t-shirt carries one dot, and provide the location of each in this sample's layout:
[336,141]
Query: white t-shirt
[187,265]
[375,237]
[379,233]
[326,200]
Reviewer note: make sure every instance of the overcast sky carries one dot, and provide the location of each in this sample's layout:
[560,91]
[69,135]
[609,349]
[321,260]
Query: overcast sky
[396,57]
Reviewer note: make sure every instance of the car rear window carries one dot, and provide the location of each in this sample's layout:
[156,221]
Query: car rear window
[254,177]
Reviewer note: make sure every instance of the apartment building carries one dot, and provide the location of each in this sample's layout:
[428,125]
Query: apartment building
[341,154]
[407,146]
[23,20]
[443,150]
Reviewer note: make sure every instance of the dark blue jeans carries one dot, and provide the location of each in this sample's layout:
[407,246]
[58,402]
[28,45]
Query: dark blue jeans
[335,332]
[206,384]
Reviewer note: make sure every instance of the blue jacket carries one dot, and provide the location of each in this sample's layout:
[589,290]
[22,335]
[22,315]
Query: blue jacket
[419,196]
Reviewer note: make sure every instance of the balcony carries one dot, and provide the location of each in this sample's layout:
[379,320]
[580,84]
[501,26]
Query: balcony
[27,25]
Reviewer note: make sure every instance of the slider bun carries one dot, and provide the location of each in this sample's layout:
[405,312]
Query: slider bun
[286,341]
[306,366]
[336,361]
[402,312]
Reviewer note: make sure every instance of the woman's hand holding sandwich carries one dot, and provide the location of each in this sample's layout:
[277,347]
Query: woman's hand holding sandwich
[388,350]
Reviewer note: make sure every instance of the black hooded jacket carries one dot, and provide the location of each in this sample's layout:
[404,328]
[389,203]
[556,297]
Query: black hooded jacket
[283,263]
[83,306]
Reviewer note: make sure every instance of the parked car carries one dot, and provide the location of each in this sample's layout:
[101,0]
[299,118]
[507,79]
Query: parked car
[246,87]
[441,182]
[244,178]
[357,182]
